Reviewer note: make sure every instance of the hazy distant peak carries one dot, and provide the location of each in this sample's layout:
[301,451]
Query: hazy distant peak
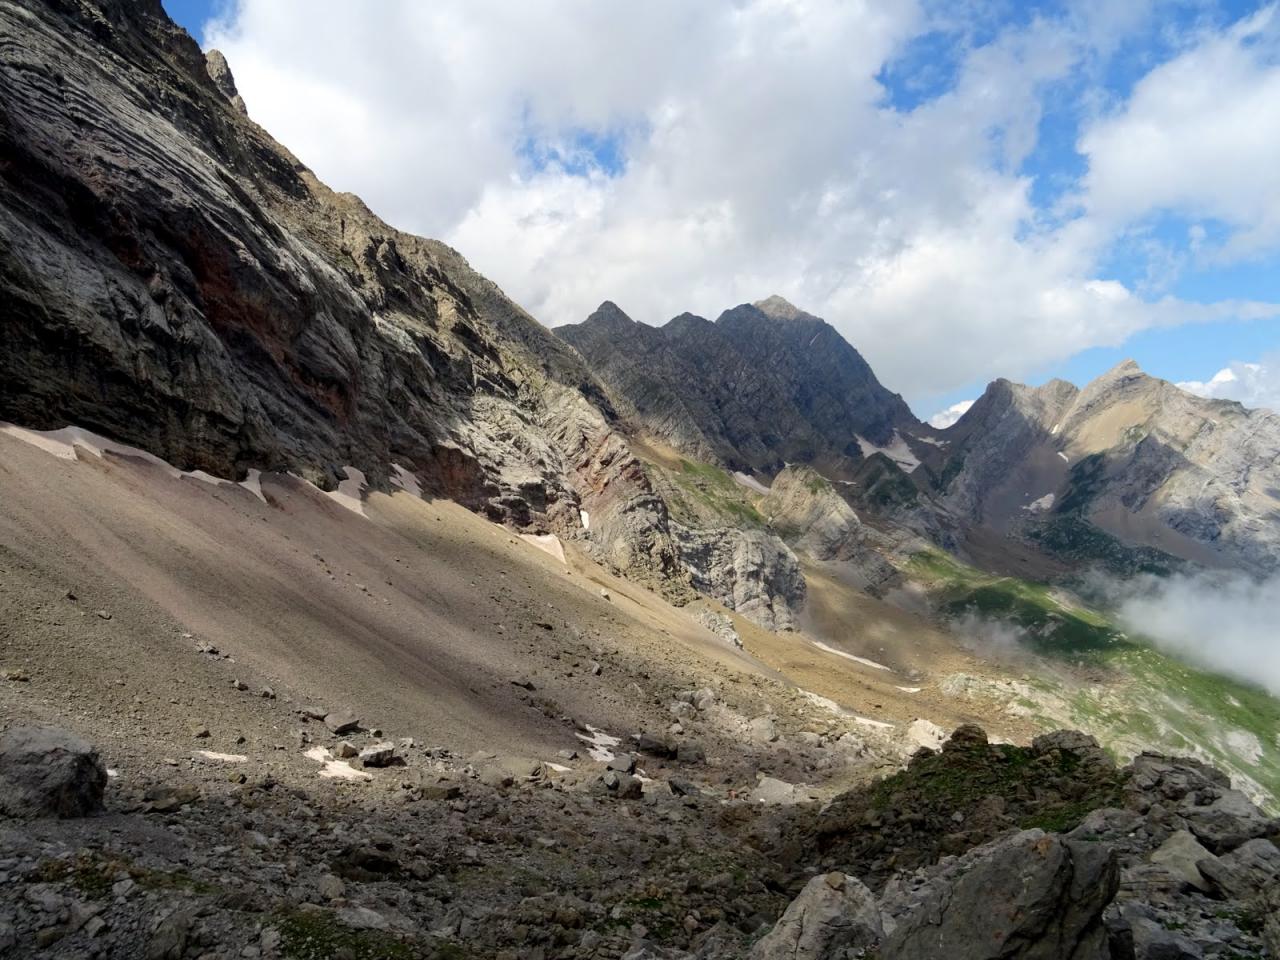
[779,308]
[1125,368]
[609,312]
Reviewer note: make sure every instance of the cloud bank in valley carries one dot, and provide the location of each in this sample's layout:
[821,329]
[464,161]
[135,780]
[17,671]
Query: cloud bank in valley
[1227,623]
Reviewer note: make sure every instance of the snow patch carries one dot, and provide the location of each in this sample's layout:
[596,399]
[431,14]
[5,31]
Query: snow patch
[599,744]
[332,769]
[547,543]
[1065,458]
[826,703]
[63,444]
[349,490]
[557,767]
[1043,505]
[253,483]
[223,757]
[868,722]
[897,451]
[849,656]
[405,480]
[750,482]
[585,518]
[909,689]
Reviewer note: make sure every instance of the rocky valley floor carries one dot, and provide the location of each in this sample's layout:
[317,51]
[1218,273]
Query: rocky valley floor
[383,726]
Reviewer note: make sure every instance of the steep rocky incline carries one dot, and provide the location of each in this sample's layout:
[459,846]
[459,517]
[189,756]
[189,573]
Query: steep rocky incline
[763,385]
[1084,862]
[172,277]
[1130,469]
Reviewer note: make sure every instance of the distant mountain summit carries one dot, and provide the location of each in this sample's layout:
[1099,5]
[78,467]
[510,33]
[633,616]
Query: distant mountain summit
[1130,471]
[763,385]
[1128,463]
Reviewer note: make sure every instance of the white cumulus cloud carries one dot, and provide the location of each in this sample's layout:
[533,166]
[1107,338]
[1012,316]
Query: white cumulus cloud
[1253,384]
[945,418]
[758,152]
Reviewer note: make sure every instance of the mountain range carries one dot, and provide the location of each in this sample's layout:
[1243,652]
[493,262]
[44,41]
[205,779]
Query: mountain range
[262,451]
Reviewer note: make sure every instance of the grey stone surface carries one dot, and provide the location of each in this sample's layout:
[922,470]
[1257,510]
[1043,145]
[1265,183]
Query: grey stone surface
[47,772]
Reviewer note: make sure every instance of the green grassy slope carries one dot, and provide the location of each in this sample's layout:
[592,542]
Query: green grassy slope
[1144,699]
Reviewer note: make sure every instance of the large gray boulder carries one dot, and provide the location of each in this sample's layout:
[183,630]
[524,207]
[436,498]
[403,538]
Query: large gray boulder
[1027,895]
[833,913]
[1247,871]
[48,772]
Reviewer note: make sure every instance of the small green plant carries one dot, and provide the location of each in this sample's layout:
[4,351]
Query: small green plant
[317,935]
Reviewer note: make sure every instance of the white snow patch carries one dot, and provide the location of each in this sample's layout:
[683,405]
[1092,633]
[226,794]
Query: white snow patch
[349,490]
[1056,428]
[332,769]
[1065,458]
[63,444]
[909,689]
[750,482]
[934,442]
[868,722]
[585,518]
[405,480]
[547,543]
[849,656]
[112,772]
[897,451]
[599,744]
[224,757]
[253,483]
[826,703]
[557,767]
[1043,505]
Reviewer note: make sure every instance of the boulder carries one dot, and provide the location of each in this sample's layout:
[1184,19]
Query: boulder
[1246,872]
[834,913]
[1271,925]
[762,730]
[623,785]
[1179,855]
[622,763]
[48,772]
[1227,822]
[1135,934]
[379,755]
[771,790]
[1026,895]
[691,752]
[341,722]
[654,746]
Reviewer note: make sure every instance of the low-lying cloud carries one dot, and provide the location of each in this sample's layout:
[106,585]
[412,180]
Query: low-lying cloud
[1227,623]
[992,639]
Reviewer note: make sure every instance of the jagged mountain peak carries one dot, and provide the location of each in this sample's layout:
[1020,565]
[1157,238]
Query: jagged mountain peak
[609,312]
[779,308]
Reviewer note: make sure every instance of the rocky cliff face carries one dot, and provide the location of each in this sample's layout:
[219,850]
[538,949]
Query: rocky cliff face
[763,385]
[172,277]
[1130,460]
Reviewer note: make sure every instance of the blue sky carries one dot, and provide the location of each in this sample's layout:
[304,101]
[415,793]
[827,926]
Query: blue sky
[965,190]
